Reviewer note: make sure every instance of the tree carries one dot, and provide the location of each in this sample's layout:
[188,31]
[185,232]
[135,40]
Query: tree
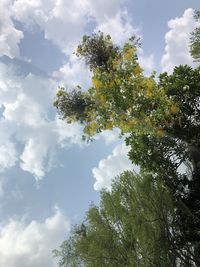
[134,225]
[163,113]
[160,117]
[195,39]
[122,96]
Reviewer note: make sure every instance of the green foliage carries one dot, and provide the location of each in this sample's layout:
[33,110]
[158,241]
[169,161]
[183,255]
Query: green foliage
[153,219]
[195,39]
[183,87]
[161,117]
[97,50]
[73,105]
[121,96]
[134,225]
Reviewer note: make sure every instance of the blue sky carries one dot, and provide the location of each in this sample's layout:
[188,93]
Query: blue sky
[48,175]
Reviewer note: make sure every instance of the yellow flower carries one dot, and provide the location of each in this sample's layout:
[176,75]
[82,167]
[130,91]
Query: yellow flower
[147,121]
[117,81]
[109,125]
[111,84]
[92,128]
[174,109]
[149,86]
[129,54]
[101,98]
[137,70]
[160,133]
[115,63]
[97,83]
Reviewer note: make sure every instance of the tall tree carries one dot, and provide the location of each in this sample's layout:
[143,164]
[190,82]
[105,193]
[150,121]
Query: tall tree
[134,225]
[160,116]
[164,112]
[122,96]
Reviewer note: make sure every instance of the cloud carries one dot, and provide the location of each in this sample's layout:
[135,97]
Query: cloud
[31,244]
[73,73]
[26,100]
[110,167]
[146,62]
[68,134]
[9,36]
[1,186]
[8,155]
[109,136]
[103,9]
[42,141]
[177,41]
[28,119]
[8,150]
[118,27]
[72,18]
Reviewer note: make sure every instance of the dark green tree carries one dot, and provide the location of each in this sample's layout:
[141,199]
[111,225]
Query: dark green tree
[98,50]
[73,105]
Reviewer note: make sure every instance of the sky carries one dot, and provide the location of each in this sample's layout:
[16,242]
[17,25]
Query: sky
[48,175]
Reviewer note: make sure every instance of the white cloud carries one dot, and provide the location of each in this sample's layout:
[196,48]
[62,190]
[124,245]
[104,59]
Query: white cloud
[1,186]
[8,155]
[73,73]
[110,167]
[109,136]
[27,102]
[72,19]
[42,141]
[103,9]
[9,36]
[118,27]
[68,134]
[177,41]
[146,62]
[33,157]
[31,244]
[8,151]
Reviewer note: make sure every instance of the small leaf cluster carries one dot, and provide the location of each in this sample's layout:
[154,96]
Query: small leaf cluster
[73,105]
[97,50]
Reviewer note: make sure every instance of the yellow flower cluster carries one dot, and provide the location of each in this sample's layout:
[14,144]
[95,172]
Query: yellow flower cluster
[129,54]
[92,128]
[109,125]
[174,109]
[111,84]
[160,133]
[137,70]
[149,86]
[97,83]
[115,63]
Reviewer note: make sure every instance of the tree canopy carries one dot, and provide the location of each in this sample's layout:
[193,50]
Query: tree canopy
[122,96]
[161,119]
[129,228]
